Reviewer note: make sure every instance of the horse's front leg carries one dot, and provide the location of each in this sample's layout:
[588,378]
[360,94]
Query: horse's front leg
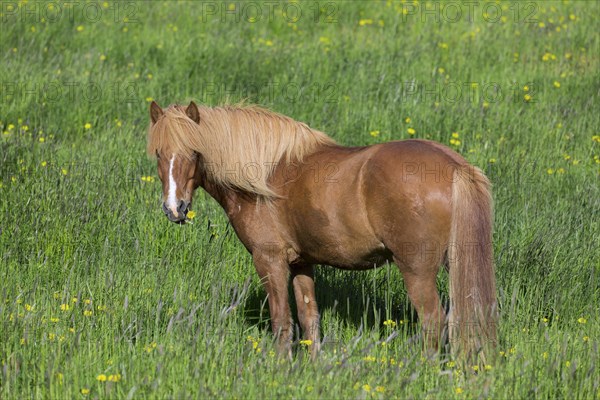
[308,312]
[274,273]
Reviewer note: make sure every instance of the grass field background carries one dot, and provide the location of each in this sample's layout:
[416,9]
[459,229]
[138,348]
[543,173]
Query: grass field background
[102,297]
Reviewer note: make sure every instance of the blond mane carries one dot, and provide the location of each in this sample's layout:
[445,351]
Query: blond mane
[240,145]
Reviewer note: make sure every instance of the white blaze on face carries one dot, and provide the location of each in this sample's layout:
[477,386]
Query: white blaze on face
[172,198]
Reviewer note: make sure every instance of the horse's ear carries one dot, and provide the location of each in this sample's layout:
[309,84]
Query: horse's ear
[192,112]
[155,112]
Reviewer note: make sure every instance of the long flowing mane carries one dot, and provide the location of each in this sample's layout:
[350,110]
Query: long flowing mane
[240,145]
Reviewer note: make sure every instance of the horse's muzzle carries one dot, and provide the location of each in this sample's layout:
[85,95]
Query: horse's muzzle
[181,213]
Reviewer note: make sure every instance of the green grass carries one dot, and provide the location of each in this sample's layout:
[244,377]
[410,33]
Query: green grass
[178,311]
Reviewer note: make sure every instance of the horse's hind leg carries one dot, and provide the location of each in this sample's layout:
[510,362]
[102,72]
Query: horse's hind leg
[420,278]
[308,312]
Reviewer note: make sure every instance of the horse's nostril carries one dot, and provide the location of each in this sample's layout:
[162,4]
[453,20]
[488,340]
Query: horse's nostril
[182,207]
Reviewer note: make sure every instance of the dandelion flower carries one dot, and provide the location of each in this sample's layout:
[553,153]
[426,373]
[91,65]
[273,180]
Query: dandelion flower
[101,378]
[556,84]
[87,125]
[306,342]
[582,320]
[411,131]
[85,391]
[366,387]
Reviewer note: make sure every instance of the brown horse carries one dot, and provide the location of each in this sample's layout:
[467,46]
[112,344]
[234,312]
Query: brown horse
[296,198]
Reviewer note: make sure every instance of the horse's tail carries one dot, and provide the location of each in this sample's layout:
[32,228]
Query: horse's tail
[473,307]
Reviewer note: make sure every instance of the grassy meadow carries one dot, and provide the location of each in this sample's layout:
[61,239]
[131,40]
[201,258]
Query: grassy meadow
[102,297]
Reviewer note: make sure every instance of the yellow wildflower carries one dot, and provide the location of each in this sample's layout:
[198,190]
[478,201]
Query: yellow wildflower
[101,378]
[582,320]
[85,391]
[411,131]
[306,342]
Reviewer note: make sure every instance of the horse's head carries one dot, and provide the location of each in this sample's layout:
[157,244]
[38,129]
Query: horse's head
[179,173]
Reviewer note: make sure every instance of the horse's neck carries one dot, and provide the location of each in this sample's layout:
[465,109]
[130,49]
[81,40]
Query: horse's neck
[227,198]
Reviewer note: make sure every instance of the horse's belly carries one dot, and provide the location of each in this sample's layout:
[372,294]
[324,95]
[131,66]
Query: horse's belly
[354,253]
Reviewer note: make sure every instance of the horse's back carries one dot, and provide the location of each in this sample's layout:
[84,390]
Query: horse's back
[359,203]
